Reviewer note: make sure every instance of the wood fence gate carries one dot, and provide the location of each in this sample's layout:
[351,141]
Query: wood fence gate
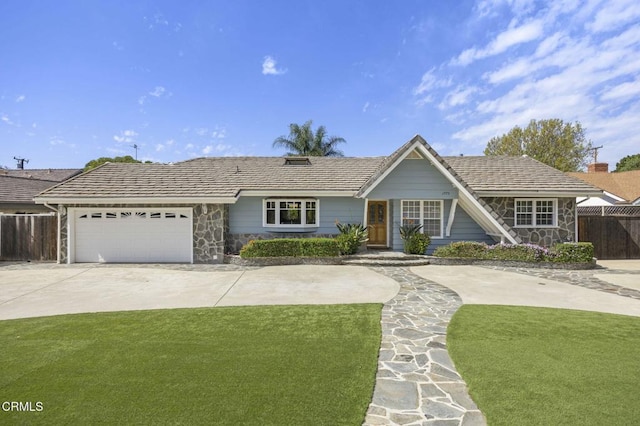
[613,237]
[28,237]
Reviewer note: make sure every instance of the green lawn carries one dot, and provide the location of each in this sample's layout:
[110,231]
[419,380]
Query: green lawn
[537,366]
[278,365]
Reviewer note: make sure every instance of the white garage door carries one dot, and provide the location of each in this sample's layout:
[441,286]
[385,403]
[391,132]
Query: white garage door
[132,235]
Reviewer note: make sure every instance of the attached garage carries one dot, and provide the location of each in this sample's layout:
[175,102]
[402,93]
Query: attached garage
[131,235]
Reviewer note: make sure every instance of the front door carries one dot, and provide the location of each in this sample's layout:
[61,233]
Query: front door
[377,221]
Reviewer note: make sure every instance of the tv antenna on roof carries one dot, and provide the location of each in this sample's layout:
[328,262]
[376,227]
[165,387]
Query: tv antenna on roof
[135,146]
[21,162]
[595,153]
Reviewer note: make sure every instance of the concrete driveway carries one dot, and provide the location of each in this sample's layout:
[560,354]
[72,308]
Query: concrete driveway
[31,290]
[49,289]
[486,286]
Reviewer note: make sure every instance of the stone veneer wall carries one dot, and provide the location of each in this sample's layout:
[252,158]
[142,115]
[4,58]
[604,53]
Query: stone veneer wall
[209,229]
[547,237]
[209,226]
[64,231]
[234,242]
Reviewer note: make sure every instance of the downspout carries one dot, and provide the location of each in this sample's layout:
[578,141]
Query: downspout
[58,233]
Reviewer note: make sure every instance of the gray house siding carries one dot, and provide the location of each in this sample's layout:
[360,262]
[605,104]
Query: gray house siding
[246,220]
[464,228]
[414,180]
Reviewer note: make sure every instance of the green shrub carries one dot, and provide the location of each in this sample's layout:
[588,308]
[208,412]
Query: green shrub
[351,237]
[417,244]
[519,252]
[562,253]
[413,243]
[573,252]
[464,249]
[291,247]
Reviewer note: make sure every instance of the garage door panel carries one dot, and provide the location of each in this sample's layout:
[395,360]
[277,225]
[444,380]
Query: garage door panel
[133,236]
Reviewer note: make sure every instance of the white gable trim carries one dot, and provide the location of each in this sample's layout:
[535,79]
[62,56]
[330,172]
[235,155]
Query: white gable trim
[477,212]
[392,168]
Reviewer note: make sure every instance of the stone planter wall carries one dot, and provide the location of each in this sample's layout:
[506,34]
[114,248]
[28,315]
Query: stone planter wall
[433,260]
[546,237]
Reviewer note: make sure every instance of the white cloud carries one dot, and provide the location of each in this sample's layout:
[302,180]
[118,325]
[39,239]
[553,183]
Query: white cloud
[577,61]
[21,98]
[625,90]
[459,96]
[365,107]
[219,133]
[126,136]
[428,83]
[513,36]
[207,149]
[5,119]
[613,14]
[201,131]
[158,91]
[160,147]
[269,67]
[141,100]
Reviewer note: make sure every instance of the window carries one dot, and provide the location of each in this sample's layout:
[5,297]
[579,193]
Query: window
[535,213]
[427,213]
[291,212]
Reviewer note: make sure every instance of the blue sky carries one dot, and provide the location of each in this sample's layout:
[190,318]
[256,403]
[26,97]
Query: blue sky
[86,79]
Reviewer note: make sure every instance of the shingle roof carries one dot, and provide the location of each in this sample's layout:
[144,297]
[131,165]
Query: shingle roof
[515,174]
[218,177]
[53,175]
[20,186]
[21,190]
[623,184]
[225,177]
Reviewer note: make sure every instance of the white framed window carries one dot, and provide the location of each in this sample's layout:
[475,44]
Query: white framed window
[428,213]
[535,213]
[290,212]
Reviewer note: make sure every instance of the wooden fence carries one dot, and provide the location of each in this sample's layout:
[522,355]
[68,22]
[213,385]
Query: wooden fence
[613,237]
[28,237]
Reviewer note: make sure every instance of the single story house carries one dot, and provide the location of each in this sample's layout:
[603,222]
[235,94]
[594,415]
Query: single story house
[19,186]
[200,209]
[619,188]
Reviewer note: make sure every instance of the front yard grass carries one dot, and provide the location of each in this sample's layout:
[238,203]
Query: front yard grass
[539,366]
[275,365]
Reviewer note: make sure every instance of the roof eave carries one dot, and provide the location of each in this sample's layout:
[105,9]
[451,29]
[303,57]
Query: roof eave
[294,192]
[539,194]
[135,200]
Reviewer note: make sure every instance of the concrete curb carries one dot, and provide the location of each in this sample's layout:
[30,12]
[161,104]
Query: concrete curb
[342,260]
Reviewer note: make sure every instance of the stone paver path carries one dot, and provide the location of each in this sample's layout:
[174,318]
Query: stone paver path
[416,383]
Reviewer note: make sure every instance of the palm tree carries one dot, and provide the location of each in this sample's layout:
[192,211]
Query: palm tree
[303,141]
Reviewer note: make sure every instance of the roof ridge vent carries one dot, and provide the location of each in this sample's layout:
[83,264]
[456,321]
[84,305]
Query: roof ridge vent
[297,161]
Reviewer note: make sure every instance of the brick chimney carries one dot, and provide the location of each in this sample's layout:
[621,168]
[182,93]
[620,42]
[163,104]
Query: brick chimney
[598,168]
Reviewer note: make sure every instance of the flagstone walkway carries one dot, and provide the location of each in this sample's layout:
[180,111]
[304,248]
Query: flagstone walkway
[416,383]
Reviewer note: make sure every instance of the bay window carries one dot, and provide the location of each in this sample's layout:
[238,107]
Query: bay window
[290,212]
